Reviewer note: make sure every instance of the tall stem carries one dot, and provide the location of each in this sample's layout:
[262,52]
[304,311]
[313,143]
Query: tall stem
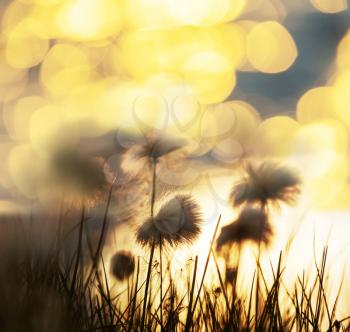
[161,283]
[257,299]
[206,265]
[257,295]
[146,287]
[154,180]
[190,311]
[79,253]
[234,284]
[59,226]
[100,244]
[148,278]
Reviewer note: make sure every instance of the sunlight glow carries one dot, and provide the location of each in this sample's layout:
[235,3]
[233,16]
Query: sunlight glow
[91,19]
[317,103]
[207,12]
[343,51]
[61,74]
[26,45]
[110,108]
[270,47]
[272,132]
[330,6]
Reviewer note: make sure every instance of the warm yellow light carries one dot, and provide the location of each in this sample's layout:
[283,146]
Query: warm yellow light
[327,134]
[48,130]
[168,13]
[205,59]
[43,2]
[325,191]
[208,62]
[270,47]
[101,106]
[206,12]
[330,6]
[117,102]
[231,40]
[64,69]
[274,136]
[26,45]
[318,146]
[236,8]
[17,117]
[342,199]
[129,104]
[13,80]
[147,14]
[21,159]
[247,120]
[227,40]
[212,76]
[91,19]
[6,146]
[228,129]
[343,52]
[15,12]
[9,208]
[218,122]
[342,96]
[316,104]
[48,17]
[9,73]
[267,9]
[147,45]
[319,151]
[245,26]
[150,111]
[185,112]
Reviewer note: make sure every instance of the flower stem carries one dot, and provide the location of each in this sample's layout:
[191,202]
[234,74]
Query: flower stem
[206,266]
[190,311]
[257,294]
[148,278]
[154,179]
[146,287]
[161,282]
[79,253]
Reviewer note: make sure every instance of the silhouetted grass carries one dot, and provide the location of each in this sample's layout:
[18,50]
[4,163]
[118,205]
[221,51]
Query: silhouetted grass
[57,289]
[42,293]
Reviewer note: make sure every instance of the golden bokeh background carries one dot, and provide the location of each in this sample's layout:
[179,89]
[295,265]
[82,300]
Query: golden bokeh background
[77,69]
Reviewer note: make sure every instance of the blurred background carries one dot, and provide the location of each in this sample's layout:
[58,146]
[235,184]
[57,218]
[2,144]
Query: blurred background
[81,69]
[317,35]
[236,79]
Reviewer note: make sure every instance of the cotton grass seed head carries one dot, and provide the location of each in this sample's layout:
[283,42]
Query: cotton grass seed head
[79,175]
[122,265]
[176,223]
[156,146]
[251,225]
[267,182]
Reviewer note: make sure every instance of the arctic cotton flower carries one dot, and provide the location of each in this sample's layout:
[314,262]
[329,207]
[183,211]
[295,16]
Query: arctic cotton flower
[78,175]
[156,146]
[251,225]
[122,265]
[266,183]
[177,222]
[151,147]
